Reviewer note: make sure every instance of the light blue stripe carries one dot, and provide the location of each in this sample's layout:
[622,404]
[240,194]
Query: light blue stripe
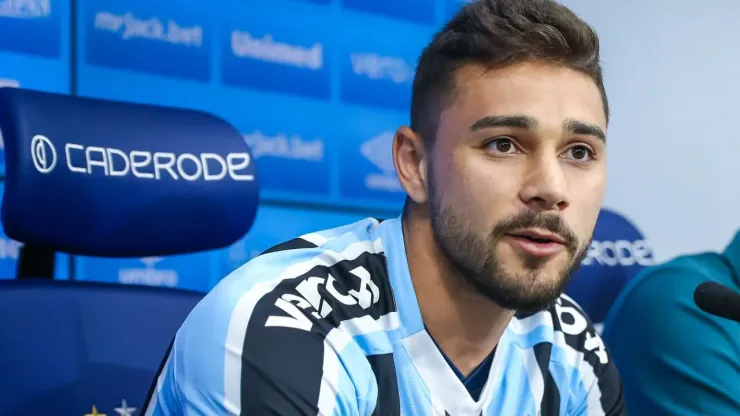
[418,401]
[400,279]
[570,383]
[376,343]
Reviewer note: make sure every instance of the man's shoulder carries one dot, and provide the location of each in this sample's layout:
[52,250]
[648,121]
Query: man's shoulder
[311,281]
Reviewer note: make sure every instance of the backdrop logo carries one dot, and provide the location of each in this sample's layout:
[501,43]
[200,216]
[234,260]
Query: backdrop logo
[378,67]
[149,275]
[43,154]
[378,151]
[244,45]
[619,253]
[9,82]
[26,9]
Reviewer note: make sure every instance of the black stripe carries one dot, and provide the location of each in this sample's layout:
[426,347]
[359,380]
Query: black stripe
[153,387]
[294,244]
[595,353]
[550,405]
[389,402]
[282,365]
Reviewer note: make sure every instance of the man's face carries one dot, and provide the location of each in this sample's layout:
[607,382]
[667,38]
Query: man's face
[517,176]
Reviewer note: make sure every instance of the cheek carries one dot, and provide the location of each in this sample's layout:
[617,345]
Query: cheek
[586,200]
[482,189]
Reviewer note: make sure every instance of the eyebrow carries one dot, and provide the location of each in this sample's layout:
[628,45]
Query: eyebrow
[530,123]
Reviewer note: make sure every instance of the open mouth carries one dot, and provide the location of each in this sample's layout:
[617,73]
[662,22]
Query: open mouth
[537,237]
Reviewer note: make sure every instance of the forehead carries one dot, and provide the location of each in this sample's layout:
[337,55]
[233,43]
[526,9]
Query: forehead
[549,93]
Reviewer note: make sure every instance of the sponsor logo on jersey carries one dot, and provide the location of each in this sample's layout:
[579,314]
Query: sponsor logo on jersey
[309,300]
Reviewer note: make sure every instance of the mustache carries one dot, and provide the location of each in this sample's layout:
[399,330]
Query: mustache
[536,219]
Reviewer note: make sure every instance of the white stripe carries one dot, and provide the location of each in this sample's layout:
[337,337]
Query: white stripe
[160,381]
[242,313]
[315,238]
[530,323]
[329,382]
[335,342]
[588,377]
[575,358]
[535,376]
[441,381]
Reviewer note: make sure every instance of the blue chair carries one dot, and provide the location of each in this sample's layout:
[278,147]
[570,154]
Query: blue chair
[68,346]
[101,178]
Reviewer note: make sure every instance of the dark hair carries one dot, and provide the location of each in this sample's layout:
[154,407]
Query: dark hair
[496,33]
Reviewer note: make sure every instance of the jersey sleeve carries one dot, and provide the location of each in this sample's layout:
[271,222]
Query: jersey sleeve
[262,351]
[599,388]
[674,358]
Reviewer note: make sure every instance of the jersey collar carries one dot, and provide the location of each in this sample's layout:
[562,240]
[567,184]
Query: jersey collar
[733,255]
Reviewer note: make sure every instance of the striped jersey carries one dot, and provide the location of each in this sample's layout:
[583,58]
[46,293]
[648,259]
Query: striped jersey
[328,324]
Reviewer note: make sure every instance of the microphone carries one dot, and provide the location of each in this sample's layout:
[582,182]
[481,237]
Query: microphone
[718,300]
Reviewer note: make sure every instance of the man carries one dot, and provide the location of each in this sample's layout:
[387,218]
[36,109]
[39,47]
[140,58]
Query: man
[687,361]
[452,308]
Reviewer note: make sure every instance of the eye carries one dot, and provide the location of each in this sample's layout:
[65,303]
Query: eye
[502,145]
[579,153]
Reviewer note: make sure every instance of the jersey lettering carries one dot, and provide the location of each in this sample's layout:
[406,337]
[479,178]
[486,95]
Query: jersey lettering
[595,344]
[289,304]
[573,322]
[309,289]
[369,294]
[365,296]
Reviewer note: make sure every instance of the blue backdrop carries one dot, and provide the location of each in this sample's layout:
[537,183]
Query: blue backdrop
[317,87]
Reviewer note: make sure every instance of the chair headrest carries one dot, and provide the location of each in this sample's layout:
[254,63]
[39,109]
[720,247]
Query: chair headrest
[112,179]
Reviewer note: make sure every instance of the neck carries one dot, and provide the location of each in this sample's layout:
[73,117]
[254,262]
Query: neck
[466,325]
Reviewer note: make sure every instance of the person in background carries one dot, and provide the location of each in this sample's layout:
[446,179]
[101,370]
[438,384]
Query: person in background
[618,251]
[676,359]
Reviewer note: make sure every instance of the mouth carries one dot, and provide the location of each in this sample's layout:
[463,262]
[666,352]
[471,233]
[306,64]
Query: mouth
[538,236]
[538,243]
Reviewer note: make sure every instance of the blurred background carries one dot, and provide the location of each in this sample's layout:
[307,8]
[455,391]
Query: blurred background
[317,88]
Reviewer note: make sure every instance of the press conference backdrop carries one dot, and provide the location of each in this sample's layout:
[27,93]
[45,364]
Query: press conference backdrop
[317,88]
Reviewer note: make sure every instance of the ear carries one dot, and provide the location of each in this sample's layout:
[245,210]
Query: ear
[411,159]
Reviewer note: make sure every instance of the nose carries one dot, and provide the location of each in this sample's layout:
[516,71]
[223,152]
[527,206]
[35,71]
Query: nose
[545,187]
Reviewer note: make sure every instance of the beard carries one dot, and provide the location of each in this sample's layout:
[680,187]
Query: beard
[481,268]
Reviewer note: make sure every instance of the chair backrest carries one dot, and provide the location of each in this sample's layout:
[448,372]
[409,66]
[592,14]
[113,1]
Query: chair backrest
[111,179]
[68,346]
